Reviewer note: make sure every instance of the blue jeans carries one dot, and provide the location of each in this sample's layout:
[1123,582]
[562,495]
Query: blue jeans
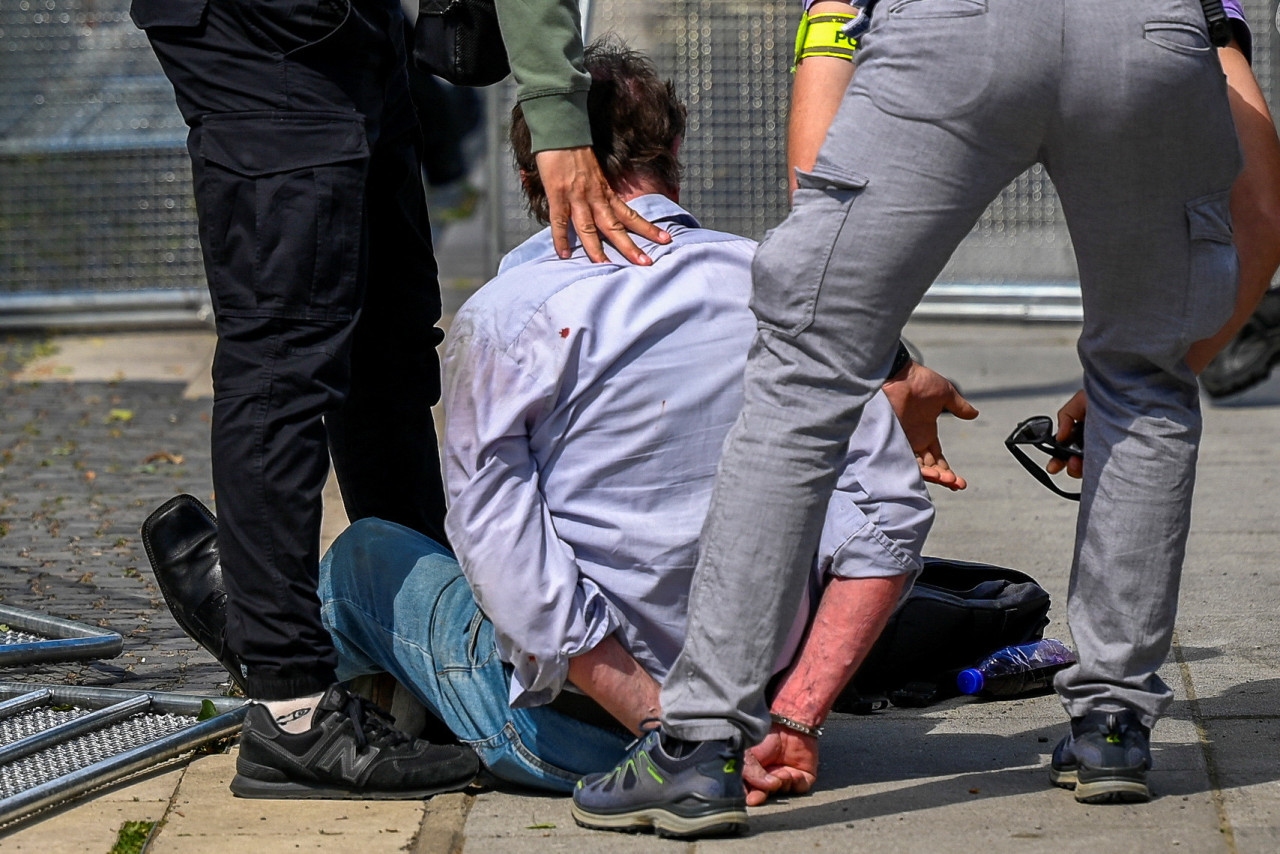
[397,601]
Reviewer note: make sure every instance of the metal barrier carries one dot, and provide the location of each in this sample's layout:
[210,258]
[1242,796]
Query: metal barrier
[97,223]
[730,62]
[59,742]
[28,637]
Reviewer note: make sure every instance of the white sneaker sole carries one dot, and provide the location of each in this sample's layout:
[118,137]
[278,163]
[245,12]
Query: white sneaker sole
[664,823]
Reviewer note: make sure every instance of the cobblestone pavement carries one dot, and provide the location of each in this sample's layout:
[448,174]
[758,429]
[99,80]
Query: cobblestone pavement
[81,465]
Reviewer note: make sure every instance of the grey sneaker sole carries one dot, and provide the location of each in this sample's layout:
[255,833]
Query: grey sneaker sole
[1103,790]
[664,823]
[1112,790]
[248,787]
[1243,379]
[1064,779]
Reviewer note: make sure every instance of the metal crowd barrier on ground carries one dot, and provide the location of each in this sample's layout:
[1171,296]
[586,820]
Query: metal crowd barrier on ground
[60,742]
[28,637]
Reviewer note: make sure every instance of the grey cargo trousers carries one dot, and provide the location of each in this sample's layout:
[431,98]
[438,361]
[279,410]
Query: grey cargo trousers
[1125,103]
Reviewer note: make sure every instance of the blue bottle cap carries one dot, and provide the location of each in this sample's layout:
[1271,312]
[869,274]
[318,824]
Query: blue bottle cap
[970,681]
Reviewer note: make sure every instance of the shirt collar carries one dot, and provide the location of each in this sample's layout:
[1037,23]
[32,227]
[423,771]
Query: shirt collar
[654,207]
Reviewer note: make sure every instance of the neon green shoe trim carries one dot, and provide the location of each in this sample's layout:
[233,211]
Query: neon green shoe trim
[647,762]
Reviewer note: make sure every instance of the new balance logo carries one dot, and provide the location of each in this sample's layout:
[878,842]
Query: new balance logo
[343,755]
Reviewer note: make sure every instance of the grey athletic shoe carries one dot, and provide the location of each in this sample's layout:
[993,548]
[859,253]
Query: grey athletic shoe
[695,793]
[1248,358]
[1105,759]
[352,750]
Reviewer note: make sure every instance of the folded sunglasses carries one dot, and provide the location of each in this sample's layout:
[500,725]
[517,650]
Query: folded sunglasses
[1040,433]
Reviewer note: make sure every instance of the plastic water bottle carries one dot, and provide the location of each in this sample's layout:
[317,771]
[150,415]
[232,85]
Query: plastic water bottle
[1016,669]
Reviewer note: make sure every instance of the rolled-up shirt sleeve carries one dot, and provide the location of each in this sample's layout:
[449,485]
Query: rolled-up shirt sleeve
[524,577]
[880,512]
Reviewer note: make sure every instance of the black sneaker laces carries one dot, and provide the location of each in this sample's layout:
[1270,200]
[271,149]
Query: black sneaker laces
[372,725]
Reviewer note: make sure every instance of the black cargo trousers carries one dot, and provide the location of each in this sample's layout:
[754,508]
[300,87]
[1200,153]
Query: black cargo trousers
[305,156]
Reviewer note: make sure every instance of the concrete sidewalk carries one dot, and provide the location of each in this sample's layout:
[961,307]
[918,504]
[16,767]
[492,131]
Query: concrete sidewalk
[962,776]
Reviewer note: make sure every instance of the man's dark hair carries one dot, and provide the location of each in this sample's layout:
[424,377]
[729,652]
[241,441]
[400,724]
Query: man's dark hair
[636,121]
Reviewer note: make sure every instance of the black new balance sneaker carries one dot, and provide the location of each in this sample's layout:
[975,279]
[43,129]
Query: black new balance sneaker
[695,791]
[1105,759]
[352,750]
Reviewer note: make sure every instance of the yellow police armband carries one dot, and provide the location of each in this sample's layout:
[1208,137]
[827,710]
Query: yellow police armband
[823,35]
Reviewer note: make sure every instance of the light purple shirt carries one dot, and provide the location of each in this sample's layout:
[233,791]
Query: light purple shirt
[586,409]
[1240,26]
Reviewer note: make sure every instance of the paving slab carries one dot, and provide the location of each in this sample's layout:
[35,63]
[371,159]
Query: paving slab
[517,822]
[205,816]
[170,356]
[93,826]
[443,826]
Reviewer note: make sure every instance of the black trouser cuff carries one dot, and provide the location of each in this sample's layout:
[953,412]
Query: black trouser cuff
[268,687]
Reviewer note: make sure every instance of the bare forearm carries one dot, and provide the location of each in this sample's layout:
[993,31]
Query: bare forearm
[1255,201]
[613,678]
[850,617]
[815,97]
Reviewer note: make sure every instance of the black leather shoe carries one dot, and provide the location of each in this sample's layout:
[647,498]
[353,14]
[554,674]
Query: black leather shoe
[181,539]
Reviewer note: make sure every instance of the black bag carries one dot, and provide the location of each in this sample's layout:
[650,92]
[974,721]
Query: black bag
[957,614]
[460,41]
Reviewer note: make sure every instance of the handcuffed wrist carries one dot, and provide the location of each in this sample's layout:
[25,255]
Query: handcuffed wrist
[785,722]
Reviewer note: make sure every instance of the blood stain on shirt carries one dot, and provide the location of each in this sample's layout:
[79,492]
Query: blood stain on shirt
[564,333]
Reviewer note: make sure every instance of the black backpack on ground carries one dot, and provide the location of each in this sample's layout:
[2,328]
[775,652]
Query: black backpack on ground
[957,614]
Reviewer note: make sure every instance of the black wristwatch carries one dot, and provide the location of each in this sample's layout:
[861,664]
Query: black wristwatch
[900,360]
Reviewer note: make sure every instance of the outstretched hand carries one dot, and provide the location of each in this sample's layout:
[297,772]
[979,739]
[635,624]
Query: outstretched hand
[785,761]
[578,193]
[1071,414]
[918,396]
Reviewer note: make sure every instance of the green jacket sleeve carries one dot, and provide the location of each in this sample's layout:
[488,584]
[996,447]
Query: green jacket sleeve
[544,46]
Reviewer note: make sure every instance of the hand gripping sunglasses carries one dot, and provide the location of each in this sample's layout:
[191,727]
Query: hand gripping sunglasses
[1039,433]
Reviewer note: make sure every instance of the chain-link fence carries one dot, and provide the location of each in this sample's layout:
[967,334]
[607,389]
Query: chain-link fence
[730,61]
[96,213]
[97,218]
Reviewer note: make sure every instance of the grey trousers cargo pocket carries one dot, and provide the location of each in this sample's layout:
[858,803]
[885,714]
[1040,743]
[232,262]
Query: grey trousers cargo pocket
[928,59]
[1214,267]
[281,203]
[167,13]
[791,263]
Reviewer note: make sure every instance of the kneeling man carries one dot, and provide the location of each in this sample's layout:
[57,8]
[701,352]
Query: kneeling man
[585,409]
